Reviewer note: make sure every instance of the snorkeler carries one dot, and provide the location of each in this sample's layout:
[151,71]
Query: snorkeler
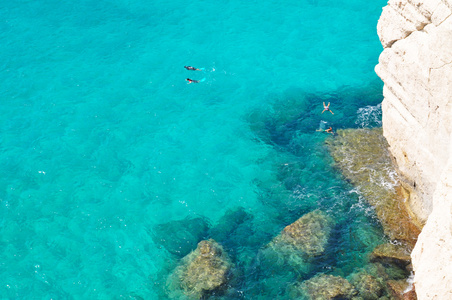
[329,130]
[191,68]
[327,107]
[191,80]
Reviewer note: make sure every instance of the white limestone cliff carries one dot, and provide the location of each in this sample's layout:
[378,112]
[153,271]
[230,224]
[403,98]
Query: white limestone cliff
[416,68]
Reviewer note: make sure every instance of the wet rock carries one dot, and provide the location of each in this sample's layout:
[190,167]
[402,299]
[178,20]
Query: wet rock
[386,271]
[390,253]
[368,286]
[400,290]
[294,251]
[326,287]
[204,271]
[181,236]
[308,235]
[363,158]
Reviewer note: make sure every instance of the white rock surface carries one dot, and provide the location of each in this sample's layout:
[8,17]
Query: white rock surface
[417,72]
[416,67]
[432,256]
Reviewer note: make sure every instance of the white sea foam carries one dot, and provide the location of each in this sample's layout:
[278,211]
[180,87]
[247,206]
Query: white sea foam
[369,116]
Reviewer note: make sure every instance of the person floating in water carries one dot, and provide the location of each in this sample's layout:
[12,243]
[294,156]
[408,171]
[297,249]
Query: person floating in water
[327,107]
[329,130]
[191,80]
[191,68]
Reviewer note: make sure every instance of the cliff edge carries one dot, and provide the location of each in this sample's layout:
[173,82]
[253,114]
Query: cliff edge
[416,68]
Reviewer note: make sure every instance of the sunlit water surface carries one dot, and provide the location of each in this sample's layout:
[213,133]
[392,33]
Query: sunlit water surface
[109,157]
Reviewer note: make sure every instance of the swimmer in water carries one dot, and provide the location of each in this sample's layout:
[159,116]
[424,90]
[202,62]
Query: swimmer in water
[329,130]
[191,80]
[191,68]
[327,107]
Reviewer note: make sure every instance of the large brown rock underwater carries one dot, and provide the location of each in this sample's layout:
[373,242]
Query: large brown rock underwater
[363,158]
[298,244]
[204,272]
[323,287]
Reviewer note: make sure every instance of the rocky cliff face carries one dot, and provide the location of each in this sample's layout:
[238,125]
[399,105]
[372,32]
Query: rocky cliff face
[416,67]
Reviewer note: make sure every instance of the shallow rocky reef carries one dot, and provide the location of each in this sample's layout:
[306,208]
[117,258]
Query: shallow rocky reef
[363,158]
[307,236]
[324,286]
[297,245]
[203,272]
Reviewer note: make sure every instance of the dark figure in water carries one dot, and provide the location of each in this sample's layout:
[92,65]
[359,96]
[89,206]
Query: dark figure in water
[191,80]
[191,68]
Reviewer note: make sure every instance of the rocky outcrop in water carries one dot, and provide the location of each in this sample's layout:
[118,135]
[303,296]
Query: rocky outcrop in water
[416,67]
[368,286]
[362,157]
[297,246]
[391,253]
[202,272]
[308,235]
[325,287]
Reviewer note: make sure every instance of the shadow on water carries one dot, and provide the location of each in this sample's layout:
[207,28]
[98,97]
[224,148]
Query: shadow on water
[302,180]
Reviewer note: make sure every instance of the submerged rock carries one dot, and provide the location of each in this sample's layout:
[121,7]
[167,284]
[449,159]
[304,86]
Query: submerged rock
[202,272]
[324,287]
[368,286]
[230,224]
[400,290]
[363,158]
[296,247]
[390,253]
[308,235]
[181,236]
[375,280]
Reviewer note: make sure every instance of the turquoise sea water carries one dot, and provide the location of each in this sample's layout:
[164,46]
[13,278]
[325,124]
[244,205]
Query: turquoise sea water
[109,158]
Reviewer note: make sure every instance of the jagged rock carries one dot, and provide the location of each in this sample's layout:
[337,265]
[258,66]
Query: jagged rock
[398,289]
[368,286]
[417,72]
[432,259]
[205,270]
[181,236]
[397,254]
[324,287]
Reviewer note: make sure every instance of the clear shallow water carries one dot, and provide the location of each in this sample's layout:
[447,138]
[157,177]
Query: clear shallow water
[103,141]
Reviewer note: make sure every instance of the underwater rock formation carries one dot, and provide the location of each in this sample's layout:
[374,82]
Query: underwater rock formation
[181,236]
[295,249]
[308,235]
[416,68]
[368,286]
[204,271]
[376,281]
[397,254]
[233,224]
[326,287]
[398,290]
[363,158]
